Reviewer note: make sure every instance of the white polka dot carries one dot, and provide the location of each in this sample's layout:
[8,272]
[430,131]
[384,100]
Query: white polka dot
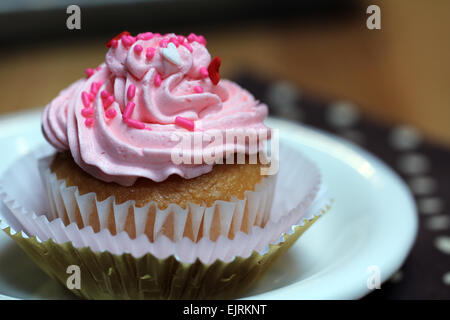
[353,136]
[438,222]
[284,98]
[397,277]
[446,278]
[431,205]
[423,185]
[413,163]
[405,138]
[443,244]
[342,114]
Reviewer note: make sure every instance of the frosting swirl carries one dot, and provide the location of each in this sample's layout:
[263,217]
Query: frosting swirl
[118,122]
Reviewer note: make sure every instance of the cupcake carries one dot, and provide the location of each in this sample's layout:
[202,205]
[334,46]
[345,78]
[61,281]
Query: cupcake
[162,185]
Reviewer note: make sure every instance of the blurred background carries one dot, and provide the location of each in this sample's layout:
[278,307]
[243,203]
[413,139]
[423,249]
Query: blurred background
[313,61]
[398,75]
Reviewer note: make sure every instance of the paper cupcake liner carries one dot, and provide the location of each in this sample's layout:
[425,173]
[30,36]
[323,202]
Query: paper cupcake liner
[119,267]
[222,218]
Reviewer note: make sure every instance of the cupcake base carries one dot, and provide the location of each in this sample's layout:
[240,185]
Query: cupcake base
[108,276]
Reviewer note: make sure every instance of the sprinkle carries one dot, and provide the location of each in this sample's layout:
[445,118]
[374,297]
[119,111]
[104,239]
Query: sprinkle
[108,101]
[131,91]
[150,53]
[158,35]
[109,43]
[91,96]
[145,36]
[134,123]
[89,72]
[188,46]
[87,112]
[89,122]
[185,123]
[163,43]
[94,88]
[138,49]
[85,99]
[128,110]
[201,39]
[192,37]
[175,41]
[198,89]
[114,43]
[203,72]
[213,70]
[181,39]
[98,68]
[104,94]
[157,80]
[128,40]
[111,113]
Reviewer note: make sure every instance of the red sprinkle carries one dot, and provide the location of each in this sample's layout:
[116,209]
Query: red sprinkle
[213,70]
[85,98]
[185,123]
[109,43]
[131,91]
[150,53]
[128,110]
[134,123]
[87,112]
[203,72]
[138,49]
[111,113]
[157,80]
[89,122]
[89,72]
[108,101]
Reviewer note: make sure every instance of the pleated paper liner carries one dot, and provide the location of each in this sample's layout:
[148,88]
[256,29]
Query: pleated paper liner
[24,197]
[109,276]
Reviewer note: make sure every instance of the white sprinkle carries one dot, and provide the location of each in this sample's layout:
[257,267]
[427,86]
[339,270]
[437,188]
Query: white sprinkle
[342,114]
[438,222]
[443,244]
[405,138]
[413,163]
[423,185]
[171,54]
[430,205]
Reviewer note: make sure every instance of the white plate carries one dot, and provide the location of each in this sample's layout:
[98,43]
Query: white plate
[373,222]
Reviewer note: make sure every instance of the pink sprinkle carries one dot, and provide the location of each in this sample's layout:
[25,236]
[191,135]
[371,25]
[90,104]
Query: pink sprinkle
[85,99]
[127,41]
[114,43]
[181,39]
[201,40]
[98,68]
[204,72]
[134,123]
[87,112]
[188,46]
[198,89]
[104,94]
[94,88]
[108,101]
[138,49]
[89,122]
[192,37]
[145,36]
[157,35]
[157,80]
[128,110]
[111,113]
[174,40]
[91,96]
[185,123]
[89,72]
[150,53]
[163,43]
[131,91]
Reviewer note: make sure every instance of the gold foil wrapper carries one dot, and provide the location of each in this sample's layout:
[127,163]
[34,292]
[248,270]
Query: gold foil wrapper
[109,276]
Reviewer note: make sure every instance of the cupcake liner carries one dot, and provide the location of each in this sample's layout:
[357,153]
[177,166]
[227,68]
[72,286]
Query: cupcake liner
[222,218]
[116,266]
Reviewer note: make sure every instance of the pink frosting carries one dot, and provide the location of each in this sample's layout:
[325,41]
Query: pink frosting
[136,140]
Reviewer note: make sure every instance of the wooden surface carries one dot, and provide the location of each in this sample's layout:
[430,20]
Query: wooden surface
[400,74]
